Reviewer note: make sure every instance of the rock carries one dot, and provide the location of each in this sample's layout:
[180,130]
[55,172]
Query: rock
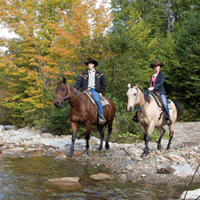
[94,141]
[65,183]
[47,135]
[2,128]
[123,177]
[176,158]
[164,170]
[69,179]
[130,167]
[101,176]
[196,148]
[162,159]
[183,170]
[10,127]
[12,151]
[129,160]
[191,194]
[135,151]
[143,175]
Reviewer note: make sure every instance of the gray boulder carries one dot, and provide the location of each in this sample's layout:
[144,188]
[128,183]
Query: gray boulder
[191,194]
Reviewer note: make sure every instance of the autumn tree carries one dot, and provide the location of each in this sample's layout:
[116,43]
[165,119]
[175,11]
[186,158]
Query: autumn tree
[50,37]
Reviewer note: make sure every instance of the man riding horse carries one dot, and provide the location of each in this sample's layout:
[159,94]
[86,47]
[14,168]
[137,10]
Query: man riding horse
[94,81]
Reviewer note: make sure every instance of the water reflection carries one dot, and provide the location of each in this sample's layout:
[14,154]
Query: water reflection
[23,178]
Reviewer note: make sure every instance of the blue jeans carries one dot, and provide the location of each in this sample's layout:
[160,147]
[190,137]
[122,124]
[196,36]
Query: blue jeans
[164,102]
[98,102]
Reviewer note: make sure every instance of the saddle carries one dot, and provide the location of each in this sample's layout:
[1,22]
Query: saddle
[104,101]
[157,98]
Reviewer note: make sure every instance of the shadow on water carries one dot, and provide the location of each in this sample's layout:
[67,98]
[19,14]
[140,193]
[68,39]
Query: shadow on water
[23,178]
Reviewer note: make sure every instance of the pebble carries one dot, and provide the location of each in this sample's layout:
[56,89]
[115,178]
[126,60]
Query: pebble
[143,175]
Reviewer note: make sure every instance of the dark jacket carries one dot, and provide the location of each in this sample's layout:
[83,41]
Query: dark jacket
[159,84]
[82,82]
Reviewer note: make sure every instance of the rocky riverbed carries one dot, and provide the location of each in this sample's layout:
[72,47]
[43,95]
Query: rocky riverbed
[124,160]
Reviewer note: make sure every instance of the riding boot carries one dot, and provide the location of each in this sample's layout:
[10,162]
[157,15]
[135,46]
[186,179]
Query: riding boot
[135,118]
[168,121]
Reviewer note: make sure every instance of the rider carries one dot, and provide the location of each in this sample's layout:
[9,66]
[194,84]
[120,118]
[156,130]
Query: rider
[94,81]
[157,84]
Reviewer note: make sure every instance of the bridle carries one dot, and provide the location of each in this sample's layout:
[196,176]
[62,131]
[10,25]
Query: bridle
[67,97]
[136,93]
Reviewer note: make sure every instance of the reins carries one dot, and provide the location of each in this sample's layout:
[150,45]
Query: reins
[145,102]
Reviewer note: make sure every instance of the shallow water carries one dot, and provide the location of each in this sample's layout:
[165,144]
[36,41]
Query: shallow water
[24,178]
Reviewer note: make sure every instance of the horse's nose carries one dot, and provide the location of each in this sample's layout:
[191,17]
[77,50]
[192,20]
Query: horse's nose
[56,104]
[130,109]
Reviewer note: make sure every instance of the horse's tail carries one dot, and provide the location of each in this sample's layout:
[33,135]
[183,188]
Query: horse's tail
[179,109]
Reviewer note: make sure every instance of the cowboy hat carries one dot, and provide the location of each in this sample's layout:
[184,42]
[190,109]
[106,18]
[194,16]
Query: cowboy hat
[91,61]
[156,63]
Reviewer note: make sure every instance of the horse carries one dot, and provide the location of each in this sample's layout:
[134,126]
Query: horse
[84,112]
[151,114]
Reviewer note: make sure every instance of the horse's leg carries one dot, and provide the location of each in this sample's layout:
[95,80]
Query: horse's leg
[162,132]
[87,136]
[74,127]
[146,140]
[143,129]
[109,133]
[171,133]
[101,132]
[147,136]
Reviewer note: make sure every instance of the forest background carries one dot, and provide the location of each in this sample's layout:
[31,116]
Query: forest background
[124,36]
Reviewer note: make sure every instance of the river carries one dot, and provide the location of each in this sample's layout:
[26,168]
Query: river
[24,178]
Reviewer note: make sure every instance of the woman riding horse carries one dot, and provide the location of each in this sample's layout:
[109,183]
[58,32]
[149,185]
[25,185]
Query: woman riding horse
[157,85]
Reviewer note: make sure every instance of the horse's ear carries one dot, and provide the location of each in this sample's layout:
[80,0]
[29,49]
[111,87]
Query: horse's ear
[64,80]
[129,85]
[137,85]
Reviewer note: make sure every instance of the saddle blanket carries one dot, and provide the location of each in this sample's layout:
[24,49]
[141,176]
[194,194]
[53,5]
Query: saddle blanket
[104,101]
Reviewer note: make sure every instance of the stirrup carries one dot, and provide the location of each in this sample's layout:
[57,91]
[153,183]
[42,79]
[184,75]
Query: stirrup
[102,121]
[135,119]
[168,121]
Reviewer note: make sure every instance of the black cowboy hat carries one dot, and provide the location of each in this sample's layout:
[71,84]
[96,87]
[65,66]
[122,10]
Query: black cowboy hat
[91,61]
[156,63]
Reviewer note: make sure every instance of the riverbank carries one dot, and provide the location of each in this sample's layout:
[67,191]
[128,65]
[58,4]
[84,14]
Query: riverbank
[124,160]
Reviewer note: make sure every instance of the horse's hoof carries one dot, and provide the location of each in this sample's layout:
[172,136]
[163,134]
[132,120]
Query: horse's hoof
[167,148]
[71,155]
[159,147]
[86,151]
[99,149]
[107,146]
[145,153]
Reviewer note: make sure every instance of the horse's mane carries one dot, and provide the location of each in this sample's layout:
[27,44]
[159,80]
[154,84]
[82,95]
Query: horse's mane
[59,82]
[145,94]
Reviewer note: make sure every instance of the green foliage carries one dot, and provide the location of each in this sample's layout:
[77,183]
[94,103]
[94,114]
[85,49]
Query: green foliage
[184,78]
[55,39]
[125,130]
[57,120]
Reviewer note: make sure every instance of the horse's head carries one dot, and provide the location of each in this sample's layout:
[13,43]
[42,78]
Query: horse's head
[62,91]
[132,95]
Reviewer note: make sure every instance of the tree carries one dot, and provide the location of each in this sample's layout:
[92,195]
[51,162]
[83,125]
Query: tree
[50,35]
[184,77]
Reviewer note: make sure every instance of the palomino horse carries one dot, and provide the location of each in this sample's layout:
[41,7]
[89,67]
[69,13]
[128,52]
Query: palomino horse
[84,112]
[151,114]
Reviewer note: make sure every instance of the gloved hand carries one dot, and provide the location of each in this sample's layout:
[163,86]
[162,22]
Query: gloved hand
[151,88]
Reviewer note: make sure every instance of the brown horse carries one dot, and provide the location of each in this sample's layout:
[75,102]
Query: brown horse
[151,114]
[84,112]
